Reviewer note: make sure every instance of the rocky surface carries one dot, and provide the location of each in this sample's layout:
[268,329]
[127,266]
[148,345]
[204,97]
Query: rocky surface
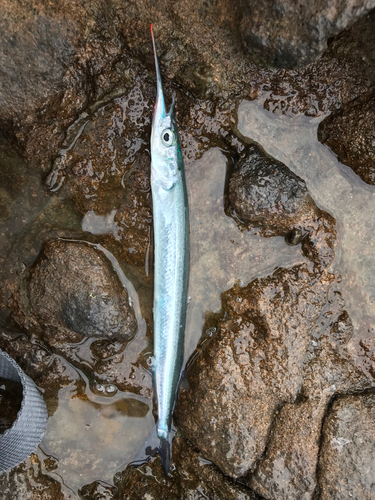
[72,293]
[252,366]
[61,60]
[350,134]
[288,468]
[347,460]
[344,72]
[190,477]
[264,193]
[29,483]
[285,33]
[105,170]
[77,93]
[98,491]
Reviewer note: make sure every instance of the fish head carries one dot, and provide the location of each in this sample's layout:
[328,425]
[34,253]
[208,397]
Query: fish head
[165,140]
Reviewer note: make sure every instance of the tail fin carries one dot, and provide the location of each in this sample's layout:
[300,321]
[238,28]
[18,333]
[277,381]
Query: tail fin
[165,453]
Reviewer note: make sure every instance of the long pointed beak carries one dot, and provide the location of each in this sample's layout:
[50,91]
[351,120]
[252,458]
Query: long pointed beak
[159,108]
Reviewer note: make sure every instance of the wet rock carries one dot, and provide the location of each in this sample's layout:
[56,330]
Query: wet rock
[98,491]
[251,367]
[344,72]
[29,483]
[72,293]
[107,172]
[190,477]
[350,134]
[264,193]
[284,34]
[347,459]
[288,469]
[367,352]
[78,54]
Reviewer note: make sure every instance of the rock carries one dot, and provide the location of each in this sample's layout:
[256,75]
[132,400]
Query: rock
[350,134]
[284,34]
[27,482]
[98,491]
[347,459]
[72,293]
[264,193]
[288,469]
[107,172]
[342,73]
[251,367]
[77,55]
[190,477]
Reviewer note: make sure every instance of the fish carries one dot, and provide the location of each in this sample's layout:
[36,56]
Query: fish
[171,260]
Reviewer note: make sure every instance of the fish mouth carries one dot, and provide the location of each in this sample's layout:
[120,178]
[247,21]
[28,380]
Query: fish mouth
[160,108]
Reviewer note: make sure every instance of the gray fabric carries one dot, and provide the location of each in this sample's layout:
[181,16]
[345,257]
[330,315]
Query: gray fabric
[18,442]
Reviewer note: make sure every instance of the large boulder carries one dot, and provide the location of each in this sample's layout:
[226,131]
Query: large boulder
[251,366]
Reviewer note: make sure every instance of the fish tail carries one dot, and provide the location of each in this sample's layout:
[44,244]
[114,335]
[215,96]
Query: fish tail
[165,453]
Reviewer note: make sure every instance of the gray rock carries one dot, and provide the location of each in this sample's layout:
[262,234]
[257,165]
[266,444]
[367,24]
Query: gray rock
[350,133]
[287,34]
[251,367]
[347,458]
[72,293]
[265,193]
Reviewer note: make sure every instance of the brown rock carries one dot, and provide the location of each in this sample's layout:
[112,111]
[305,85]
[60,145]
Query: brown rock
[27,482]
[283,33]
[288,469]
[350,134]
[107,172]
[98,490]
[264,193]
[251,367]
[190,477]
[347,459]
[344,72]
[72,293]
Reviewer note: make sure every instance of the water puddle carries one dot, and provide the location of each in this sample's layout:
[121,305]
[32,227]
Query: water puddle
[90,440]
[335,188]
[220,254]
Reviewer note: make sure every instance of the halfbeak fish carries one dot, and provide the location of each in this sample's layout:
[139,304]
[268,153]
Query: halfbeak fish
[171,236]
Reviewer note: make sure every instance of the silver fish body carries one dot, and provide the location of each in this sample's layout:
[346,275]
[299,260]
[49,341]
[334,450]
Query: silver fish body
[171,264]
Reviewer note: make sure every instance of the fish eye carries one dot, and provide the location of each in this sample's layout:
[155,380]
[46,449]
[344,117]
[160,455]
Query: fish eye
[168,137]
